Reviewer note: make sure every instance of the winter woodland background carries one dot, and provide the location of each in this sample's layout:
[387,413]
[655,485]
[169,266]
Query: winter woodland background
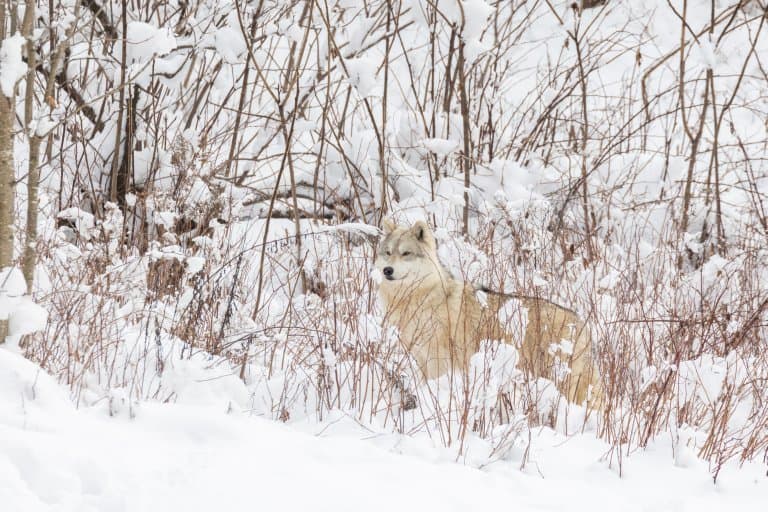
[190,191]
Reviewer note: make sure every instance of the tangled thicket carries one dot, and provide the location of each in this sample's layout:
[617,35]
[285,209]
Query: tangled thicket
[208,169]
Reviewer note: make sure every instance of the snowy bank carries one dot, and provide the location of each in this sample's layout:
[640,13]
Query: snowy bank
[199,458]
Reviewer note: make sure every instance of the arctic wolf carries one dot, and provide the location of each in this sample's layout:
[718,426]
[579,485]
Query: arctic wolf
[442,321]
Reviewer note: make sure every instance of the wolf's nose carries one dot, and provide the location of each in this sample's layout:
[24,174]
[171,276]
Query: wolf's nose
[388,271]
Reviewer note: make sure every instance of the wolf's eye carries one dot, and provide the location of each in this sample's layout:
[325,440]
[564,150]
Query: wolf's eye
[388,252]
[407,253]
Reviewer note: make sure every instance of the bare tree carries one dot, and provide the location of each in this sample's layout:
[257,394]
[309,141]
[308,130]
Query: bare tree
[33,176]
[34,133]
[6,175]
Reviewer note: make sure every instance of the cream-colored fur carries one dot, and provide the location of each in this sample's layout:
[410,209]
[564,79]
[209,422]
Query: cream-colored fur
[441,321]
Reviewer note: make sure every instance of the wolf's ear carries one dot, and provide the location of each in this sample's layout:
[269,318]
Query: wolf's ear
[421,231]
[388,225]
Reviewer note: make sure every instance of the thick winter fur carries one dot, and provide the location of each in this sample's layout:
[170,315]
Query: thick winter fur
[442,322]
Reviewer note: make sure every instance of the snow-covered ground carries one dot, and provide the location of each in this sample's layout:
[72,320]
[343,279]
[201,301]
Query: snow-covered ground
[161,457]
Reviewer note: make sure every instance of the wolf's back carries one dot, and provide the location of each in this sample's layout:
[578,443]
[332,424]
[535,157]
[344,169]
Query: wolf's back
[556,343]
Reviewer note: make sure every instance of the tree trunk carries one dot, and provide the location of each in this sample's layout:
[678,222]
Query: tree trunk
[6,176]
[33,173]
[466,157]
[117,181]
[35,137]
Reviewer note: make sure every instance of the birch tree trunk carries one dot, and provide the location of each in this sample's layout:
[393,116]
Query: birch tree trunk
[35,136]
[6,174]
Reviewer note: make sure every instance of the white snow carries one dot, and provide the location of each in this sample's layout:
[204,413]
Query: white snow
[495,366]
[165,219]
[12,286]
[199,193]
[12,67]
[708,54]
[146,40]
[27,317]
[202,458]
[230,44]
[352,228]
[142,165]
[476,13]
[362,75]
[609,280]
[195,264]
[22,314]
[84,221]
[441,147]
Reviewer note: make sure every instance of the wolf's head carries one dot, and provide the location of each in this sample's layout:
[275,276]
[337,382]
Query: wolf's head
[407,256]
